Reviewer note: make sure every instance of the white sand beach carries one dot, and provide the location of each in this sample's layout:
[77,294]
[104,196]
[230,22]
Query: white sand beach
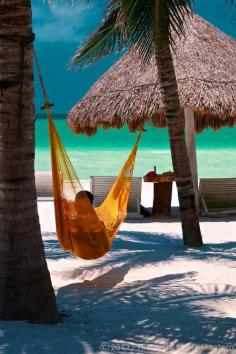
[149,294]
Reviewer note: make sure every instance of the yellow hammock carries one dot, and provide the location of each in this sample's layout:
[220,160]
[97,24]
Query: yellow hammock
[85,231]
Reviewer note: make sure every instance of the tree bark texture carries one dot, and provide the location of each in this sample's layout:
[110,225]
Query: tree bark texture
[175,122]
[26,291]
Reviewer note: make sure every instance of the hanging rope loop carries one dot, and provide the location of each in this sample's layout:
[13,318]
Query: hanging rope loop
[47,105]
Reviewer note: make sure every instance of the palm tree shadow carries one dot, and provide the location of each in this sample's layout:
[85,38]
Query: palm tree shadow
[102,307]
[135,248]
[154,314]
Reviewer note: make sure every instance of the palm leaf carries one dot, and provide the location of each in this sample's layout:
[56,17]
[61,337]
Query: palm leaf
[101,42]
[154,20]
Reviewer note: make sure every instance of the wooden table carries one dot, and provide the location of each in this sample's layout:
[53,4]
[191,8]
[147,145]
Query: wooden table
[162,193]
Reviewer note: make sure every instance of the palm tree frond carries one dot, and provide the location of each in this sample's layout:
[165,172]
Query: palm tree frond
[154,20]
[138,17]
[101,42]
[129,22]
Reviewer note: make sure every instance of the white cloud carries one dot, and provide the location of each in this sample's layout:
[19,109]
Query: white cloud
[61,22]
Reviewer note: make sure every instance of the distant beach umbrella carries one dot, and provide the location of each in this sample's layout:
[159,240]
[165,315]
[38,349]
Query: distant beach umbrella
[129,93]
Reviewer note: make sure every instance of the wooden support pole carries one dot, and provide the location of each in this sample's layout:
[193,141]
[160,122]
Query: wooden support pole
[191,146]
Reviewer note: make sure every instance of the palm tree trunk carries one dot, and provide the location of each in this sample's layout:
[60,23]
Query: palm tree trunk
[175,122]
[26,291]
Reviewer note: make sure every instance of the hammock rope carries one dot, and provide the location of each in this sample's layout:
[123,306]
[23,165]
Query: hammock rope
[85,231]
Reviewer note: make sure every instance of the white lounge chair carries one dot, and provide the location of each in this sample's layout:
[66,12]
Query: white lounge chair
[101,185]
[44,187]
[217,196]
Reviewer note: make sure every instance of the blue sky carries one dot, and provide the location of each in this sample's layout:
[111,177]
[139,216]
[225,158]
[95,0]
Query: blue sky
[61,27]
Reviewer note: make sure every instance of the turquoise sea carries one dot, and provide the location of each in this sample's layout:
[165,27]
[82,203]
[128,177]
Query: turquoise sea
[104,153]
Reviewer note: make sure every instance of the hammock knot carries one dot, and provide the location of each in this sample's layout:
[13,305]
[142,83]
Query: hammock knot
[47,106]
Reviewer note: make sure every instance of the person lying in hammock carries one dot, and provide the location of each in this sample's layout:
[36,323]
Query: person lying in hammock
[90,197]
[86,233]
[80,199]
[82,194]
[79,206]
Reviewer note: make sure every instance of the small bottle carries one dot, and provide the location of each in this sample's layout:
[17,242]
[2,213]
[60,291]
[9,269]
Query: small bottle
[155,169]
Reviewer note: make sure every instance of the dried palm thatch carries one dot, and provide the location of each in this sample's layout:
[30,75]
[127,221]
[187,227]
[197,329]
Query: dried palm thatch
[129,92]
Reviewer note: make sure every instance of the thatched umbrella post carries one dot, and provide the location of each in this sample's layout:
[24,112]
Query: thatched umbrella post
[192,152]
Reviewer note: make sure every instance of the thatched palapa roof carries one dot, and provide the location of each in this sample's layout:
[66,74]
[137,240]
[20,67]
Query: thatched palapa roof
[129,93]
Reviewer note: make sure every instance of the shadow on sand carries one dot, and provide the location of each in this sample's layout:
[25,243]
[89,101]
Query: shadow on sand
[158,315]
[154,315]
